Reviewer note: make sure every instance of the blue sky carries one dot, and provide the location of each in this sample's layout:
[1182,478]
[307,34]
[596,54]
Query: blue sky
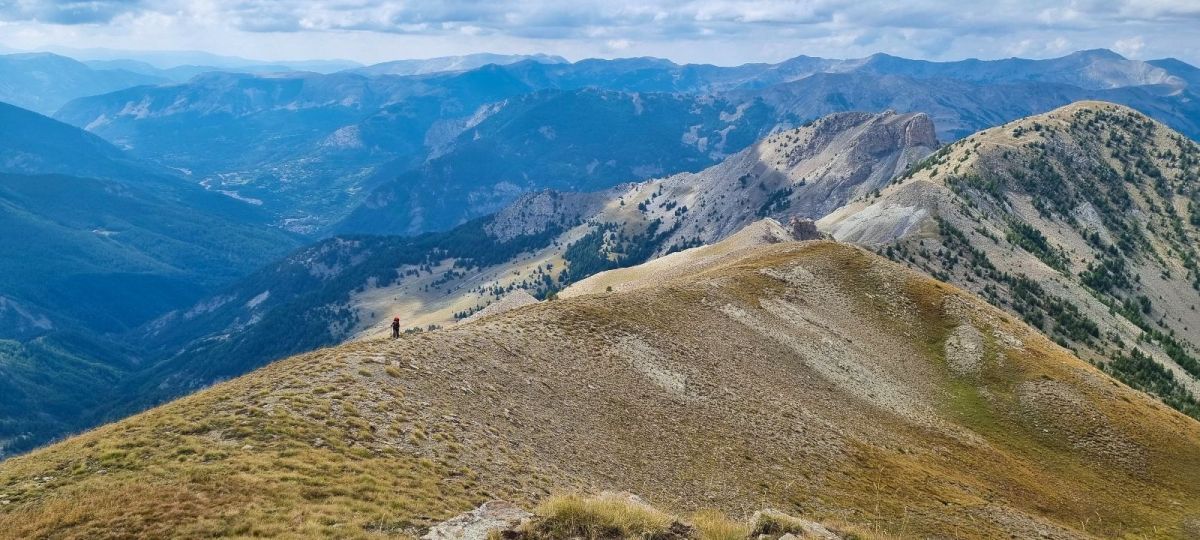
[714,31]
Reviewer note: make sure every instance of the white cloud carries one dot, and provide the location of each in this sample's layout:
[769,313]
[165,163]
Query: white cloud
[618,44]
[1130,47]
[721,31]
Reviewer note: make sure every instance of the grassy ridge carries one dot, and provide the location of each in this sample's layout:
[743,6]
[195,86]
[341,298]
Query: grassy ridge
[723,388]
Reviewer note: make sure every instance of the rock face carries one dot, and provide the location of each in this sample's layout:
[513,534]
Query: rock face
[806,173]
[803,229]
[801,528]
[535,212]
[476,524]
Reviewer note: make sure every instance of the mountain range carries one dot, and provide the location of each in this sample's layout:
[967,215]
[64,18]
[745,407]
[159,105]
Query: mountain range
[544,241]
[348,286]
[44,82]
[452,63]
[349,134]
[896,296]
[344,286]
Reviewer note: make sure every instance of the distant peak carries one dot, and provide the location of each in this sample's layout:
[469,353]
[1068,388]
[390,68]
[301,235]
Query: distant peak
[40,56]
[1099,54]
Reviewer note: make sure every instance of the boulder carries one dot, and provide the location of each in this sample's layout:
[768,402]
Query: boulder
[476,524]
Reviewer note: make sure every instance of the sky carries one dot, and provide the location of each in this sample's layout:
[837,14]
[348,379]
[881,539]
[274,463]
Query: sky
[723,32]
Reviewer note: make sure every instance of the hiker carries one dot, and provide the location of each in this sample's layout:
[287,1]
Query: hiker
[395,327]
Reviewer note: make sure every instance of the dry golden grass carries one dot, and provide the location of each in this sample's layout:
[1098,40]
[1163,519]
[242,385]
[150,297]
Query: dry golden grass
[777,523]
[715,525]
[376,439]
[616,516]
[229,465]
[603,516]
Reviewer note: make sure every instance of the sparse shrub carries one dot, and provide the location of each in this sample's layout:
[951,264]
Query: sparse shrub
[776,524]
[604,516]
[713,525]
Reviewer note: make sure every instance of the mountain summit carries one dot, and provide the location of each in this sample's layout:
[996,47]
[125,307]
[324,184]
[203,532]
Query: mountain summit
[1084,221]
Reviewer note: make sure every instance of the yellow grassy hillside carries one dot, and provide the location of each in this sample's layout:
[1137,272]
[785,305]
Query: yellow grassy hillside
[815,377]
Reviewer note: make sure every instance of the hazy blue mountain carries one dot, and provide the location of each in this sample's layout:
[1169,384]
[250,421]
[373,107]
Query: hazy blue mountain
[184,73]
[34,144]
[43,82]
[1180,69]
[1090,70]
[94,254]
[105,241]
[1096,69]
[312,149]
[111,254]
[171,59]
[645,74]
[961,107]
[578,140]
[303,146]
[425,66]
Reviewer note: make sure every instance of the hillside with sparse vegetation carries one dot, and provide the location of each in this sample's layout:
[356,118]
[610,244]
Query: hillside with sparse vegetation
[815,378]
[1084,221]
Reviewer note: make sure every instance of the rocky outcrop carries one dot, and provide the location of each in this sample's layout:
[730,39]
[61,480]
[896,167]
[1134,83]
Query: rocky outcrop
[478,523]
[617,515]
[806,172]
[804,229]
[533,213]
[771,522]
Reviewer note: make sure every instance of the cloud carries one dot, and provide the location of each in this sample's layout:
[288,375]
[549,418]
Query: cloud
[67,12]
[618,44]
[1129,46]
[727,31]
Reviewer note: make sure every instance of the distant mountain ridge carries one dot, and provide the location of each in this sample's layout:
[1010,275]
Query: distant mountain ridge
[353,142]
[1097,69]
[424,66]
[168,59]
[571,140]
[32,143]
[44,82]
